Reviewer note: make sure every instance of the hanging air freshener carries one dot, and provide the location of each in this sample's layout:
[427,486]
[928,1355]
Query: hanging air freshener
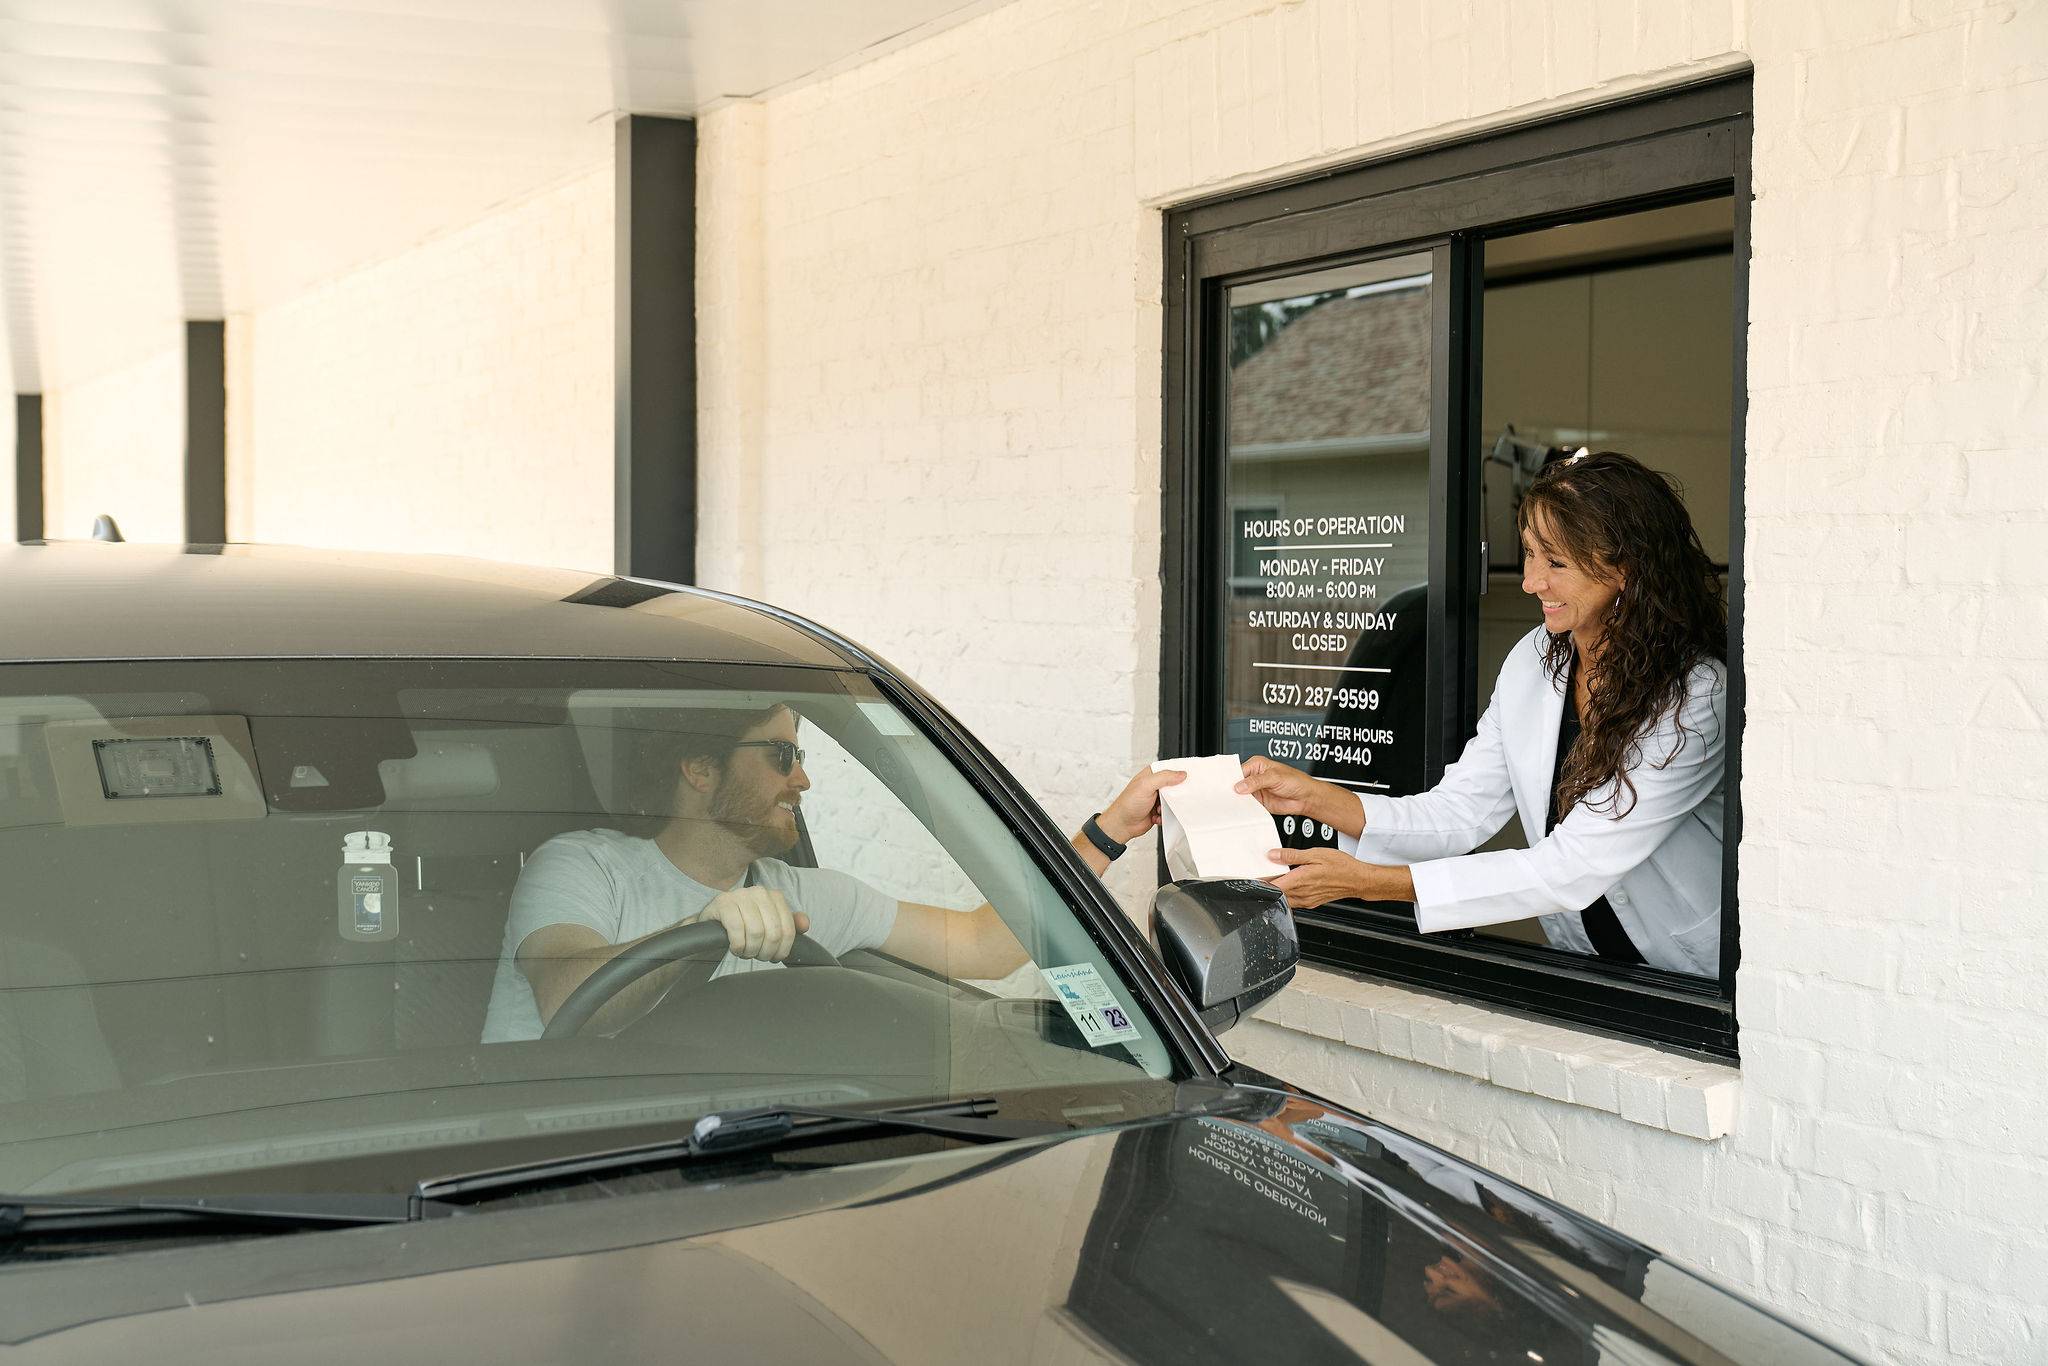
[367,887]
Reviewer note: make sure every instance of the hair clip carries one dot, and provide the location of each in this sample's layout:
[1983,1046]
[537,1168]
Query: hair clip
[1575,457]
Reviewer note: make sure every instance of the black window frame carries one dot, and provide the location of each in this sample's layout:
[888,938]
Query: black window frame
[1674,146]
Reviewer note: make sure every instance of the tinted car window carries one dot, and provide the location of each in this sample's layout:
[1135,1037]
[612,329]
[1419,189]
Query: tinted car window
[257,914]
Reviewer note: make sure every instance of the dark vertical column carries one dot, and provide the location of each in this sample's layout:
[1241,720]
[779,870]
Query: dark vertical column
[654,381]
[206,433]
[28,467]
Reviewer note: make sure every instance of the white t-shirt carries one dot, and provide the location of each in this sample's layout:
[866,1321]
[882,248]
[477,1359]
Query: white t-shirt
[625,888]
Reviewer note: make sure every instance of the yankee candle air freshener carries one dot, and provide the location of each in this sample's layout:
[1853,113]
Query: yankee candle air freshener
[367,887]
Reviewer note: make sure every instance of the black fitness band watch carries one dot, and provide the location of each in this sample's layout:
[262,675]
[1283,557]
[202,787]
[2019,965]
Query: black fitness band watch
[1098,837]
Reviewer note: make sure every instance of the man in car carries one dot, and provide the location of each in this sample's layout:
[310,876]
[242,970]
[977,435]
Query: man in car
[736,782]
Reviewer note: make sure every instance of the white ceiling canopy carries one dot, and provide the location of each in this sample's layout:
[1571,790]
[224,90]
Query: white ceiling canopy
[171,159]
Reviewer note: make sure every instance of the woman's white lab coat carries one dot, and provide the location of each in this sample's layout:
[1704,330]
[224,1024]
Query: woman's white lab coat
[1659,865]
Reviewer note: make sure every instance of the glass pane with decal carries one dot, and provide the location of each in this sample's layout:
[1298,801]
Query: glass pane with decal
[1327,490]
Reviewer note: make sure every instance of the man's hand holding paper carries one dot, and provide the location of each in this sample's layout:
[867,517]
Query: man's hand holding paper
[1211,830]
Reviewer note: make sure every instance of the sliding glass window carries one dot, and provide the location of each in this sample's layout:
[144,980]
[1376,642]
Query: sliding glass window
[1365,374]
[1324,625]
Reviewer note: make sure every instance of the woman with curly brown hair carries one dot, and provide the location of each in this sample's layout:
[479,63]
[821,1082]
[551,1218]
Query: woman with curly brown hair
[1606,732]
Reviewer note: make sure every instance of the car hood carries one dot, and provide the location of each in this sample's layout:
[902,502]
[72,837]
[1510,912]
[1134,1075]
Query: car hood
[1284,1228]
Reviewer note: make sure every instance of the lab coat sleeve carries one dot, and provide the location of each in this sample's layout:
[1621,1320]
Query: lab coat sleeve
[1466,808]
[1678,768]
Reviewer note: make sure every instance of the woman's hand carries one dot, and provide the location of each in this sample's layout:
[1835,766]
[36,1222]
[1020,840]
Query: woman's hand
[1315,876]
[1318,876]
[1281,790]
[1285,791]
[1136,809]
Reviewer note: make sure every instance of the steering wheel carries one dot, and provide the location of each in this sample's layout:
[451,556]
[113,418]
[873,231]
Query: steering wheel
[703,941]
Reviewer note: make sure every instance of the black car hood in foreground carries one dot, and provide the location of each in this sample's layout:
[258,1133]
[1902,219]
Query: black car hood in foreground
[1289,1231]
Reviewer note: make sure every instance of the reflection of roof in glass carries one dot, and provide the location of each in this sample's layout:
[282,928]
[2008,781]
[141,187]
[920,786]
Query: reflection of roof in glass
[1349,368]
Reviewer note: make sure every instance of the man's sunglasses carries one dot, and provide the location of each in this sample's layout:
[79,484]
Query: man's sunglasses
[787,755]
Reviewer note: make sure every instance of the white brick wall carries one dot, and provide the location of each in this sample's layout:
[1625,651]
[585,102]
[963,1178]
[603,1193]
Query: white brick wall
[930,316]
[945,353]
[456,399]
[934,284]
[116,445]
[731,280]
[7,435]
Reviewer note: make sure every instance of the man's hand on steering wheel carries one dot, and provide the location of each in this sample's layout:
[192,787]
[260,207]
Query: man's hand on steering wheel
[752,922]
[758,922]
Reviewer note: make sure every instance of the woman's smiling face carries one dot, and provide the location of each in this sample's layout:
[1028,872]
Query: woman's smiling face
[1574,595]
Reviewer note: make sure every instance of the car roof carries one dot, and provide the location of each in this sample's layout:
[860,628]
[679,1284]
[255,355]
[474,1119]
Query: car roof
[87,600]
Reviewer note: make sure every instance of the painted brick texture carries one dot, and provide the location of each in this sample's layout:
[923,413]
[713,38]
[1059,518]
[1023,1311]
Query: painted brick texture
[7,438]
[455,399]
[929,323]
[116,445]
[940,309]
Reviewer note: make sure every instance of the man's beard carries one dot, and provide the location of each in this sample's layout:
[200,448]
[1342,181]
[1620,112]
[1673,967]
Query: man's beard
[752,820]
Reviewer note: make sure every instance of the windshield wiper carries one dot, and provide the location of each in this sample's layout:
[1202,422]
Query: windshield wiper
[86,1219]
[727,1133]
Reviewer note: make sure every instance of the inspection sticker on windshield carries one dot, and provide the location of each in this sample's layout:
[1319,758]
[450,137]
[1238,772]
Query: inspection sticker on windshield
[1100,1017]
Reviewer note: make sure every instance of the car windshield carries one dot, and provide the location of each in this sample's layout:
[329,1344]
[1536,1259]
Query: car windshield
[301,924]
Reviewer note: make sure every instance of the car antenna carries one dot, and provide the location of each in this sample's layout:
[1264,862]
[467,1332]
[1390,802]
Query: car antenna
[104,528]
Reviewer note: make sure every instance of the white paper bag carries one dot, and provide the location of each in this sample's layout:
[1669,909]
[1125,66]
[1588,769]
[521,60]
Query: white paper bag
[1210,830]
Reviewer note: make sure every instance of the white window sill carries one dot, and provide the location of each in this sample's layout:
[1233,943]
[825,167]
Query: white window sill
[1643,1085]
